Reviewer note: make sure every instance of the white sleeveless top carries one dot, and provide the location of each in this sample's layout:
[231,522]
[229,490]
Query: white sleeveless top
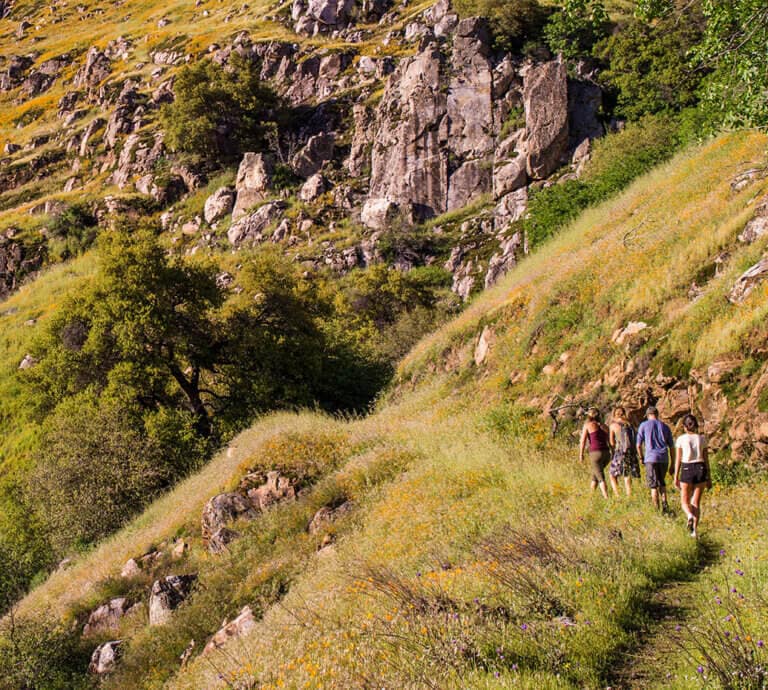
[693,446]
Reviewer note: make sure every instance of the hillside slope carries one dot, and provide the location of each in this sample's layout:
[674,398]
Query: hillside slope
[469,552]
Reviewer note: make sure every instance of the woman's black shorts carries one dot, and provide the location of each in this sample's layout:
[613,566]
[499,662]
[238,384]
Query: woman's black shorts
[694,473]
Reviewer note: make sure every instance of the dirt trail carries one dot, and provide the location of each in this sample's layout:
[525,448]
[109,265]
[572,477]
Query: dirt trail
[646,664]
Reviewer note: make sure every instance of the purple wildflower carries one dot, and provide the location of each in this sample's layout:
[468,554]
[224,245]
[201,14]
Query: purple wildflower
[678,628]
[740,573]
[524,626]
[700,669]
[760,644]
[722,552]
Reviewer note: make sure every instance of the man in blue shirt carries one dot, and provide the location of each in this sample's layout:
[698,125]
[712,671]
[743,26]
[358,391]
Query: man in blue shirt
[655,438]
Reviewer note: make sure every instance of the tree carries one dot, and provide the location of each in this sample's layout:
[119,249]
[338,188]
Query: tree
[648,67]
[734,47]
[218,113]
[513,22]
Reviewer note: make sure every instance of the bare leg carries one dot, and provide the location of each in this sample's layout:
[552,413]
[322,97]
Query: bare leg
[698,490]
[628,485]
[603,490]
[663,494]
[593,484]
[655,498]
[614,485]
[685,500]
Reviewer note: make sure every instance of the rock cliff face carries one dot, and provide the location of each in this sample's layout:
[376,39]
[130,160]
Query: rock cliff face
[458,123]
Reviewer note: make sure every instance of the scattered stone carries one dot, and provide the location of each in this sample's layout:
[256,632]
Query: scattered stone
[311,158]
[251,228]
[105,657]
[167,595]
[106,618]
[623,335]
[748,281]
[327,515]
[483,346]
[28,362]
[221,539]
[130,569]
[757,227]
[224,509]
[219,204]
[275,488]
[312,188]
[239,627]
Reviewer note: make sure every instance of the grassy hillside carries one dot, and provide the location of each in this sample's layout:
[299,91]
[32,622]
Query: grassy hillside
[474,555]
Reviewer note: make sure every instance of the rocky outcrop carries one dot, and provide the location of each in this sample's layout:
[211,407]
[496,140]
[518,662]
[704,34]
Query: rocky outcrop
[545,91]
[313,188]
[757,226]
[96,69]
[42,77]
[167,595]
[253,184]
[16,262]
[238,627]
[252,228]
[224,509]
[265,491]
[748,281]
[327,515]
[312,17]
[504,260]
[311,158]
[105,657]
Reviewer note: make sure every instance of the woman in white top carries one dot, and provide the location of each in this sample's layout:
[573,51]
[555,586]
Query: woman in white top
[692,471]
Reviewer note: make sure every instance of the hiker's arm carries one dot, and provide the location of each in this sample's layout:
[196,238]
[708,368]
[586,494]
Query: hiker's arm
[612,437]
[582,443]
[678,466]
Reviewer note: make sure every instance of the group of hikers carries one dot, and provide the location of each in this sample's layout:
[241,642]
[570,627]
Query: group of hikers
[620,448]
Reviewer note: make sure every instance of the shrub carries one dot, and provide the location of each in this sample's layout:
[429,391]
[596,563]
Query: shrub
[72,232]
[513,22]
[576,27]
[37,655]
[219,113]
[95,470]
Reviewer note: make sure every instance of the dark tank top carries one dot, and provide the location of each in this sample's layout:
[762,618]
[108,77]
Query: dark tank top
[598,440]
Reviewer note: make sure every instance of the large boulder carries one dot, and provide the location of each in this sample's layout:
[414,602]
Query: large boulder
[224,509]
[105,657]
[545,90]
[167,595]
[251,228]
[378,214]
[239,627]
[318,16]
[219,204]
[313,188]
[254,182]
[311,158]
[107,617]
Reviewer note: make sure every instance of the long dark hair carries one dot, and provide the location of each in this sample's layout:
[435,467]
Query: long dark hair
[690,423]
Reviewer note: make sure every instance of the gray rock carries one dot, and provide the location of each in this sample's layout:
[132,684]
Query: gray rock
[274,489]
[221,539]
[254,182]
[748,281]
[106,618]
[244,624]
[757,226]
[167,595]
[311,158]
[28,362]
[313,188]
[251,228]
[504,260]
[224,509]
[105,657]
[378,214]
[510,208]
[96,69]
[219,204]
[546,117]
[327,515]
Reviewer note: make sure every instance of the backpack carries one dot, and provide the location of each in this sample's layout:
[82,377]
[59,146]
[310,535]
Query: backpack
[625,443]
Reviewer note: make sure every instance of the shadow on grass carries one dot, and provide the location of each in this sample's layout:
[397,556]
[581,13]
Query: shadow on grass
[636,663]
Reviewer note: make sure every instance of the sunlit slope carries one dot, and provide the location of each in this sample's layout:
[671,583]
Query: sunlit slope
[473,555]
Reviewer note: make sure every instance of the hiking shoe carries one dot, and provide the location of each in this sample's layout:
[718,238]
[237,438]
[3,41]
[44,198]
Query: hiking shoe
[690,526]
[694,534]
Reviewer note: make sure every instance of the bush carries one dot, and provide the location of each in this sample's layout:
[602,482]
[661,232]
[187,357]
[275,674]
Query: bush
[40,655]
[72,232]
[219,113]
[576,27]
[95,470]
[514,23]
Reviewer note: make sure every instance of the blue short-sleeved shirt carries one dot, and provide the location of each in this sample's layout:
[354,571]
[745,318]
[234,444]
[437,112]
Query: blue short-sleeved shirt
[657,438]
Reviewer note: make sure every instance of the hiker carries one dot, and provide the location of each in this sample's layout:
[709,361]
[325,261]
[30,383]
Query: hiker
[692,471]
[595,434]
[655,438]
[624,462]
